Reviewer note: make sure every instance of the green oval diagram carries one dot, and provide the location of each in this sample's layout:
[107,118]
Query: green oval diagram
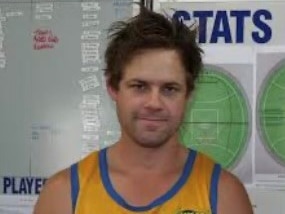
[217,120]
[271,112]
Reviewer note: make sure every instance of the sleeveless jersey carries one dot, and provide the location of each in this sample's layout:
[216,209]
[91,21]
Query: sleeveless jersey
[195,192]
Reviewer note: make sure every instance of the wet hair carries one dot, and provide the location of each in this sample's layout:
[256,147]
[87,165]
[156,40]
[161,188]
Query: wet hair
[151,30]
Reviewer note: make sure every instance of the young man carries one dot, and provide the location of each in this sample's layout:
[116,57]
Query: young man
[152,63]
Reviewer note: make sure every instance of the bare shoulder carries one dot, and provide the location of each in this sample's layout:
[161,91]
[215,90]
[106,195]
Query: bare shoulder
[55,196]
[232,195]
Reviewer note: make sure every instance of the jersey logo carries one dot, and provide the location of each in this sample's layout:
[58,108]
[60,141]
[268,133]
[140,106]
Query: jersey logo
[193,212]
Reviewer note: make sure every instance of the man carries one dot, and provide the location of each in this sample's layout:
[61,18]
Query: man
[152,64]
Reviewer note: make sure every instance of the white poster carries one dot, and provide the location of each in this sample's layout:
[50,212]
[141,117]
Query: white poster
[245,50]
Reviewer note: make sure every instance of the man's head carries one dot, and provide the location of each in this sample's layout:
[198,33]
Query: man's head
[150,30]
[152,63]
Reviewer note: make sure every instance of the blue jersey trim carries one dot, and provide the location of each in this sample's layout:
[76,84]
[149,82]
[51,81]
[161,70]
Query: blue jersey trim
[159,201]
[74,181]
[214,188]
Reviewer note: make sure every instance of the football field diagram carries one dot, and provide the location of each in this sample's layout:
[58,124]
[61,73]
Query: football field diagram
[217,119]
[271,112]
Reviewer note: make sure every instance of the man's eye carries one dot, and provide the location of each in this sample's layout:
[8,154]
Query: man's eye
[170,90]
[138,87]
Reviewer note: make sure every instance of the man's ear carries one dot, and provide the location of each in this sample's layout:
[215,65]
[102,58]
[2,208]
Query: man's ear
[113,92]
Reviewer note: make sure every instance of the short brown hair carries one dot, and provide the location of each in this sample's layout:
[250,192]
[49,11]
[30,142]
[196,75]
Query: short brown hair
[151,30]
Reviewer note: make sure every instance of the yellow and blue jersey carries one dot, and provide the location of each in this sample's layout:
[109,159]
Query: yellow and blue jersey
[195,192]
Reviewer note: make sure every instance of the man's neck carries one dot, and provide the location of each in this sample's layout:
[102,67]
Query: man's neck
[126,155]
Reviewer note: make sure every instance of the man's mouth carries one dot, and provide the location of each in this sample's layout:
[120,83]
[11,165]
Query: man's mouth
[154,119]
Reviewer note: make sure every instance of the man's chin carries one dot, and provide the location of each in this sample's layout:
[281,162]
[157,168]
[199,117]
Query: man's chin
[151,143]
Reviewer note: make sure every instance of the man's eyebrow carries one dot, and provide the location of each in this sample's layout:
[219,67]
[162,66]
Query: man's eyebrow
[166,83]
[173,84]
[136,80]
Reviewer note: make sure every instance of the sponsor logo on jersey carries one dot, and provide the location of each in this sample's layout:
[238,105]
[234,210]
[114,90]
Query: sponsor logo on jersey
[193,212]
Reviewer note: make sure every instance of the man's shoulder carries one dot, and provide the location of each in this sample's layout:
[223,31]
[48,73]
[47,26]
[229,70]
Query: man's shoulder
[88,162]
[59,180]
[233,197]
[205,160]
[55,195]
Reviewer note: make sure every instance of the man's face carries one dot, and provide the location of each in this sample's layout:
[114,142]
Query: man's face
[151,98]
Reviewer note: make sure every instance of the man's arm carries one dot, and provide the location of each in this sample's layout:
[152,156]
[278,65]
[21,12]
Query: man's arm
[232,196]
[55,197]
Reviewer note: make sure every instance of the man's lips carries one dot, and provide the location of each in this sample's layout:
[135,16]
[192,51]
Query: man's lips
[152,119]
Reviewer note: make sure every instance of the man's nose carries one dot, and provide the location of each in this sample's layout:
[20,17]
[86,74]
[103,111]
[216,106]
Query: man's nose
[154,100]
